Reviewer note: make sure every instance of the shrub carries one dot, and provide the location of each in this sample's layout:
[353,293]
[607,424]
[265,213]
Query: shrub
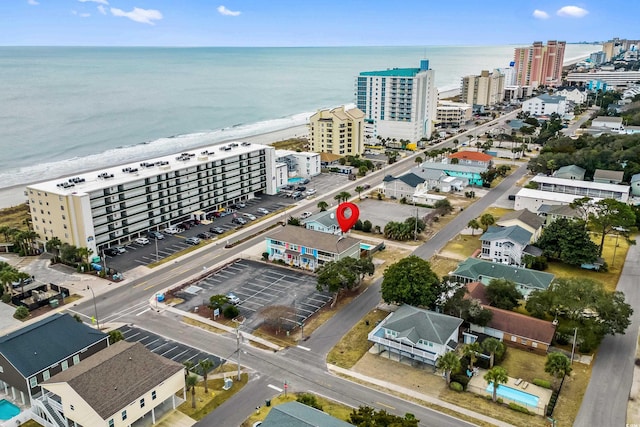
[461,379]
[519,408]
[309,400]
[230,311]
[456,387]
[358,225]
[542,383]
[499,400]
[6,298]
[379,196]
[21,313]
[265,255]
[366,226]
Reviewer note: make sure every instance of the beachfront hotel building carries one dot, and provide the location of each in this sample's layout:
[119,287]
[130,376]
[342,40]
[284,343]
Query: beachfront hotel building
[111,206]
[454,114]
[400,102]
[337,131]
[539,65]
[486,89]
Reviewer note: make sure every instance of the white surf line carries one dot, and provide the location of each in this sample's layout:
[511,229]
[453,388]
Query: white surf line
[278,389]
[143,311]
[303,348]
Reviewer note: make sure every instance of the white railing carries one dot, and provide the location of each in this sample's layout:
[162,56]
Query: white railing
[403,347]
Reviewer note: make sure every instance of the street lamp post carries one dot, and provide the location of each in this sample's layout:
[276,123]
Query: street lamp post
[156,240]
[613,261]
[95,308]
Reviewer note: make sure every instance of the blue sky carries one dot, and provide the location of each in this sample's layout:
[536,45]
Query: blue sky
[312,23]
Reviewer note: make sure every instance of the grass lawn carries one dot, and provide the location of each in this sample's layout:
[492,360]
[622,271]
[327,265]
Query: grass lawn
[354,344]
[291,144]
[206,403]
[462,245]
[331,407]
[442,266]
[525,365]
[31,423]
[14,217]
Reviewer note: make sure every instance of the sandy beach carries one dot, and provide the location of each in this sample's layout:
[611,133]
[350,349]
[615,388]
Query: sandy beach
[13,196]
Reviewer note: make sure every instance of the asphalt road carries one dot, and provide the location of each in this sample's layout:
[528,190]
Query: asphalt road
[606,398]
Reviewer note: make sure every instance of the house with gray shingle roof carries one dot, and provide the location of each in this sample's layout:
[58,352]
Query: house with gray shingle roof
[478,270]
[608,177]
[507,245]
[570,172]
[36,352]
[324,222]
[114,387]
[417,334]
[296,414]
[402,186]
[525,219]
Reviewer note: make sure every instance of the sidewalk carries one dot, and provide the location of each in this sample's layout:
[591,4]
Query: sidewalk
[414,394]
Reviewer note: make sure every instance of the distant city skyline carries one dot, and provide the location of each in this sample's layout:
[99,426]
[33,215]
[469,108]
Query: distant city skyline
[281,23]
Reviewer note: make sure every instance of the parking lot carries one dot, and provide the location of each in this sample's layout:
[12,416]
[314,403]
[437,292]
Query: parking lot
[167,348]
[259,285]
[382,212]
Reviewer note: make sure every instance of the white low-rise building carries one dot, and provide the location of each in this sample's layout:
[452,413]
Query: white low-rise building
[545,105]
[574,94]
[613,123]
[300,163]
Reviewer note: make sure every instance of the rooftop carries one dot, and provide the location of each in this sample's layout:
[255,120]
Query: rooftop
[453,168]
[312,239]
[471,155]
[478,270]
[393,72]
[608,119]
[296,414]
[514,233]
[547,195]
[543,179]
[415,324]
[617,176]
[521,325]
[411,179]
[525,216]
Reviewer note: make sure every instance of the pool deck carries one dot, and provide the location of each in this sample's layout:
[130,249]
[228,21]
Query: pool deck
[478,385]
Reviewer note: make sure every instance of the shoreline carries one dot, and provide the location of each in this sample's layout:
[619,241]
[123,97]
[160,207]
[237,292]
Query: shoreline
[14,195]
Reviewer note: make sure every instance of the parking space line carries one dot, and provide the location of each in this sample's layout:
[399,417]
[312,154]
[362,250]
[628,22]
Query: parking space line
[171,349]
[144,311]
[148,344]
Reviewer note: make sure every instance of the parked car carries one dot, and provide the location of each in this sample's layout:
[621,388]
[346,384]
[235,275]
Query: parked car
[296,195]
[23,282]
[306,181]
[249,216]
[301,188]
[217,230]
[242,205]
[305,215]
[111,252]
[192,241]
[120,249]
[204,235]
[239,221]
[311,191]
[173,230]
[185,225]
[155,235]
[142,241]
[263,211]
[232,298]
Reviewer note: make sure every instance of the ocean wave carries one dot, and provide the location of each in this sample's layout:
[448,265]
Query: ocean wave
[145,150]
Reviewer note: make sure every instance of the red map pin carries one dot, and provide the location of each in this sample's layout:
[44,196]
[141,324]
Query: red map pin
[346,222]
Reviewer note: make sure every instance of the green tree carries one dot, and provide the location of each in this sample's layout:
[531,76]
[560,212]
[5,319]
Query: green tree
[491,345]
[191,382]
[294,221]
[115,336]
[419,159]
[411,281]
[54,244]
[217,302]
[558,365]
[448,362]
[568,241]
[474,225]
[21,313]
[610,213]
[496,376]
[359,190]
[471,351]
[443,207]
[365,416]
[322,205]
[343,274]
[205,366]
[309,400]
[503,293]
[486,220]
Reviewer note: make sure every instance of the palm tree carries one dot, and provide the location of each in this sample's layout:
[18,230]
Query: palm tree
[338,197]
[54,243]
[6,231]
[322,205]
[359,190]
[486,220]
[191,382]
[188,367]
[7,276]
[491,345]
[558,365]
[418,159]
[471,351]
[205,366]
[85,253]
[474,225]
[496,376]
[448,362]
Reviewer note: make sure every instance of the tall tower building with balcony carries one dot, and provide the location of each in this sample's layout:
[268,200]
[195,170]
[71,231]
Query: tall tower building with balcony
[540,65]
[338,131]
[487,89]
[399,103]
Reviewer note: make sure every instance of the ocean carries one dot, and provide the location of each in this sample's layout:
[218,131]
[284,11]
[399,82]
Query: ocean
[69,109]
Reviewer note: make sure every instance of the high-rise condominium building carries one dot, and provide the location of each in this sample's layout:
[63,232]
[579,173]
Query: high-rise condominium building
[485,89]
[337,131]
[539,65]
[614,47]
[400,102]
[115,205]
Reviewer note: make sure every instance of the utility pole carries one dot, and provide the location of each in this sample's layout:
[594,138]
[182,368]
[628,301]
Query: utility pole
[156,240]
[95,308]
[238,340]
[415,226]
[573,348]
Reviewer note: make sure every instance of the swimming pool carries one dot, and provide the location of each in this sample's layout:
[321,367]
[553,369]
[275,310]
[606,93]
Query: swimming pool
[8,410]
[366,246]
[295,180]
[516,395]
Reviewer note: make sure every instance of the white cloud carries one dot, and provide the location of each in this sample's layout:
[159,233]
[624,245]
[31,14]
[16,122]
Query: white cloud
[572,12]
[144,16]
[105,2]
[102,9]
[81,15]
[540,14]
[224,11]
[33,2]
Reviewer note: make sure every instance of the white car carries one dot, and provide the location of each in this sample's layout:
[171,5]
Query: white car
[263,211]
[142,241]
[311,191]
[249,216]
[172,230]
[305,215]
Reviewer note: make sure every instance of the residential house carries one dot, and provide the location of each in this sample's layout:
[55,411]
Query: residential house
[115,387]
[309,249]
[402,186]
[533,200]
[545,105]
[478,270]
[437,180]
[507,245]
[324,222]
[574,94]
[431,178]
[471,158]
[296,414]
[570,172]
[635,185]
[525,219]
[417,334]
[472,173]
[328,160]
[613,123]
[42,349]
[550,213]
[608,177]
[305,164]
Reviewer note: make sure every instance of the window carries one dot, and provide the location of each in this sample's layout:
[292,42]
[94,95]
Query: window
[46,375]
[33,381]
[514,339]
[65,365]
[153,395]
[534,344]
[76,359]
[111,424]
[72,408]
[1,369]
[142,402]
[124,415]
